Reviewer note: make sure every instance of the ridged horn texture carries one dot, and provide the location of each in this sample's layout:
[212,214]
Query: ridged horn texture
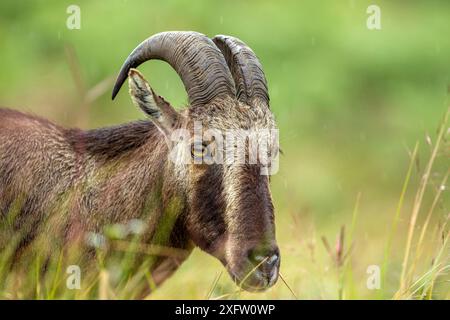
[250,82]
[199,63]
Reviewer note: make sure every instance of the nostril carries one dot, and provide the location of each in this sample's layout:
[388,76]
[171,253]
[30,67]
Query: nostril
[272,260]
[255,257]
[264,258]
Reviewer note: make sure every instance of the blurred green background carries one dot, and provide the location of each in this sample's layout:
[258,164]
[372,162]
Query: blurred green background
[350,104]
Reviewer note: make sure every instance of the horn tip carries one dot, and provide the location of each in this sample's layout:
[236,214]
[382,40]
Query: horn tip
[114,93]
[119,82]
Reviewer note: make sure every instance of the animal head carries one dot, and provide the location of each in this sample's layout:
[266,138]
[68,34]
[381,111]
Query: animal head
[222,147]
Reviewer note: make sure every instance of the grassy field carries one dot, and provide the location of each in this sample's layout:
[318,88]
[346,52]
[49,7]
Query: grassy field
[363,117]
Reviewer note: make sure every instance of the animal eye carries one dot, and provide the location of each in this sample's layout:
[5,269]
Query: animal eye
[198,150]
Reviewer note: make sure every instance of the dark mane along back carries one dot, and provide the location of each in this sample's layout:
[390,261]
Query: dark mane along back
[103,143]
[111,142]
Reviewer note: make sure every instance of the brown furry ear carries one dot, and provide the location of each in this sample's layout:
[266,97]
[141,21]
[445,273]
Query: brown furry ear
[143,96]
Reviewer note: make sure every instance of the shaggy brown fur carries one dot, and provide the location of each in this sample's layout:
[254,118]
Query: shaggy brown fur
[60,185]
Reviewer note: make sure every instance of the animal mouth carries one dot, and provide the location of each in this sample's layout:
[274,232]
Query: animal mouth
[255,280]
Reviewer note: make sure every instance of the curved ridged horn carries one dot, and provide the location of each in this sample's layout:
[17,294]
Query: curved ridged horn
[199,63]
[250,82]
